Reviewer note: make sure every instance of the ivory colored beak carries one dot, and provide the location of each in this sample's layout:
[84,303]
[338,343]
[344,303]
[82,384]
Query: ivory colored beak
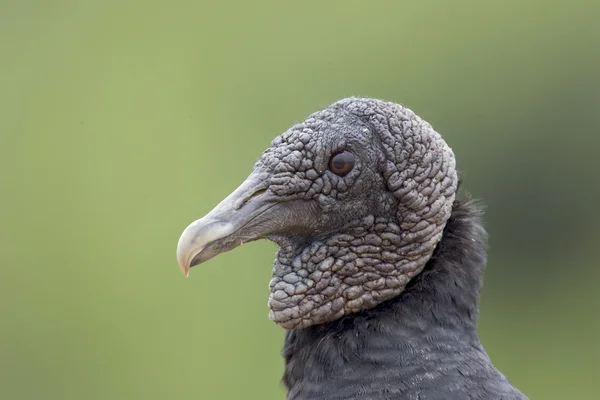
[237,219]
[196,237]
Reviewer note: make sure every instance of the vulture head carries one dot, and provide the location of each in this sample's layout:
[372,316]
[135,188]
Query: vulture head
[356,197]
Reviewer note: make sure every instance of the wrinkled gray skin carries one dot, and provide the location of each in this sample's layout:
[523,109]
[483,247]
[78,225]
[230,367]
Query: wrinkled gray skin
[378,274]
[367,233]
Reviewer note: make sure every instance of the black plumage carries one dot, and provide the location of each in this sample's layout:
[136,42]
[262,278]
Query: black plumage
[419,345]
[378,275]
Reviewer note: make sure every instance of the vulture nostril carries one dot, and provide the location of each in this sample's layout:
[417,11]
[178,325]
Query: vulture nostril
[252,195]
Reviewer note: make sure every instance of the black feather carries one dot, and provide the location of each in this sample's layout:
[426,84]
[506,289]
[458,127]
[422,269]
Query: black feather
[419,345]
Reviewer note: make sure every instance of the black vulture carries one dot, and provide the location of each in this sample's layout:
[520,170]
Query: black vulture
[379,268]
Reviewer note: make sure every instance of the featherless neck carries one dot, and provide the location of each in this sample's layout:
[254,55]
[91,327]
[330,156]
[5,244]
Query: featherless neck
[441,301]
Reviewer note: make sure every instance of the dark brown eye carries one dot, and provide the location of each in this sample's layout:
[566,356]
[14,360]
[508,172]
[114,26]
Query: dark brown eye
[341,163]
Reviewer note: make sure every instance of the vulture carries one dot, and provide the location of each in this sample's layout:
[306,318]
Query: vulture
[379,268]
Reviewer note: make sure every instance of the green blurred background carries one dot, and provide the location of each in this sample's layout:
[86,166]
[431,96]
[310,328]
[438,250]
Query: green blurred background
[123,121]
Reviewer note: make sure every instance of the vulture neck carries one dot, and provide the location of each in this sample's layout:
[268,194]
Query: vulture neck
[440,304]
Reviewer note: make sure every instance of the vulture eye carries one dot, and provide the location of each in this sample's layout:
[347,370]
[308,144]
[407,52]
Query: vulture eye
[341,163]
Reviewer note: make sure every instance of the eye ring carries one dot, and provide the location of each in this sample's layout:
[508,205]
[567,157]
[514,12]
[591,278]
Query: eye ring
[341,163]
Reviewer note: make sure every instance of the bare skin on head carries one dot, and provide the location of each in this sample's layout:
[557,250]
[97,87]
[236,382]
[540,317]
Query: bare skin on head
[356,196]
[378,273]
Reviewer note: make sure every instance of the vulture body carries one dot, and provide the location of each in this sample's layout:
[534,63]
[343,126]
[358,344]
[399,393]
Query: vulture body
[378,274]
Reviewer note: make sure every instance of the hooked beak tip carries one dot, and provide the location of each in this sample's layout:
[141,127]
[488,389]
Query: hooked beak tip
[194,244]
[184,270]
[186,265]
[215,233]
[183,258]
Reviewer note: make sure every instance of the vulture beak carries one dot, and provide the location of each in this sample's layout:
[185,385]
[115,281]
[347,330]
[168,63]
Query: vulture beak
[245,215]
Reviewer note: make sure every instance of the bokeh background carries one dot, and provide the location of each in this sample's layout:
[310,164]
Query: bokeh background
[123,121]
